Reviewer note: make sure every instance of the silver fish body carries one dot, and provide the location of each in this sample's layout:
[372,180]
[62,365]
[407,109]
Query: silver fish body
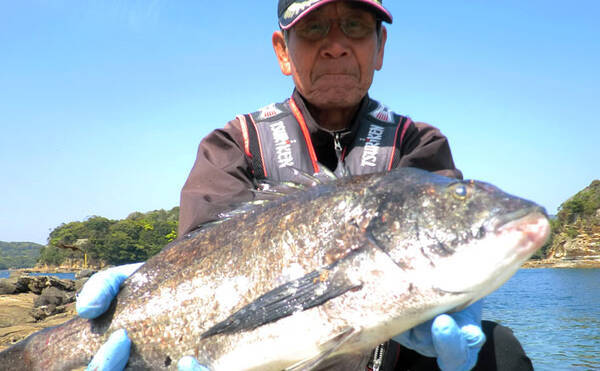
[322,274]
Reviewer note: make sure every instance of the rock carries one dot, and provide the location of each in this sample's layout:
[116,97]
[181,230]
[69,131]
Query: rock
[17,322]
[585,245]
[15,309]
[84,273]
[53,296]
[576,229]
[36,284]
[46,311]
[79,284]
[15,273]
[23,312]
[8,286]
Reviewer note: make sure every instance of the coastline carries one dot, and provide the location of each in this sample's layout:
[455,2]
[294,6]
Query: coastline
[563,263]
[49,269]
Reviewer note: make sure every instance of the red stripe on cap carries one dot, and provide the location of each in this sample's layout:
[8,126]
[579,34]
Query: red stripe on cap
[321,3]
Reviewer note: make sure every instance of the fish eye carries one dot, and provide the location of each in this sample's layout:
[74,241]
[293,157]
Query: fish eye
[459,191]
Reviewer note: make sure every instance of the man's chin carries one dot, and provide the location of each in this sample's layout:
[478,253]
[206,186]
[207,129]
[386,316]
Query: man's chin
[340,98]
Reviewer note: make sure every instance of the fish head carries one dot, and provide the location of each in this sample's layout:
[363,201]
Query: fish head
[460,237]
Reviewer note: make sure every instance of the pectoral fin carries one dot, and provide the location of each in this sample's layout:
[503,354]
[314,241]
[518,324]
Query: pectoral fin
[327,349]
[306,292]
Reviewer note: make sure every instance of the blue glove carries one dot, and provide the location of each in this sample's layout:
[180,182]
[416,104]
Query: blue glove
[113,355]
[99,291]
[94,299]
[454,339]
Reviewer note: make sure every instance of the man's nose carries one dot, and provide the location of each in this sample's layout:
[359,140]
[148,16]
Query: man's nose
[335,43]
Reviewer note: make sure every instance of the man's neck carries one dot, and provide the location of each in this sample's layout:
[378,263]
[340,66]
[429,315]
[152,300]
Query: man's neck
[333,119]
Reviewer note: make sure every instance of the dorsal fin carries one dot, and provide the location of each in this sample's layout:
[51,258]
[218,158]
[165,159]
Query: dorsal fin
[297,180]
[268,190]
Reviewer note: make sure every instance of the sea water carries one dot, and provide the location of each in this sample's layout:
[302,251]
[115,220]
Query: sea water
[555,314]
[65,276]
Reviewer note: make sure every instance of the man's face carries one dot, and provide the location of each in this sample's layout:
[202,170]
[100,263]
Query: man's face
[332,69]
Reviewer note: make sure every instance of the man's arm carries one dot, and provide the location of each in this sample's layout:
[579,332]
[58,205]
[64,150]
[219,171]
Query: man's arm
[219,178]
[425,147]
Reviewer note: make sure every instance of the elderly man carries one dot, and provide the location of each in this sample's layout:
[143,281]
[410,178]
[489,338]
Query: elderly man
[331,48]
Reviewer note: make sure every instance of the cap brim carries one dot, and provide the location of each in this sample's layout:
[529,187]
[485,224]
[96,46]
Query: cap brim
[298,14]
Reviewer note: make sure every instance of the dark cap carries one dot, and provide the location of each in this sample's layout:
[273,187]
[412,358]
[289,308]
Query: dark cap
[291,11]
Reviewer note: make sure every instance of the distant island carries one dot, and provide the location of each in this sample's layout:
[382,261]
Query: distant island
[19,254]
[575,239]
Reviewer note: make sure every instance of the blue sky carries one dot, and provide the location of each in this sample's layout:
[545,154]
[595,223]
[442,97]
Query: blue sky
[103,102]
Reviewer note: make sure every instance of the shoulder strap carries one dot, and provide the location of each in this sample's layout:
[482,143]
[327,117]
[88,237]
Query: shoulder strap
[403,125]
[276,139]
[252,146]
[311,149]
[377,145]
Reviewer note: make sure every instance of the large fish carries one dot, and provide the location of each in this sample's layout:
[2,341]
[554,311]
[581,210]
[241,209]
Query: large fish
[314,276]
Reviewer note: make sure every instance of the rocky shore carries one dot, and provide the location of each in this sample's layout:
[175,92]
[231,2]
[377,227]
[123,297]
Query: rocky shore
[563,263]
[31,303]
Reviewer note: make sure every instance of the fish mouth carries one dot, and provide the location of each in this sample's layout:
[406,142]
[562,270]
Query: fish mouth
[513,238]
[501,221]
[529,224]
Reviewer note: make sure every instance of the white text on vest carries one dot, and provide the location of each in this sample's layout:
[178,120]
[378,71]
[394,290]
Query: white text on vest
[283,146]
[372,144]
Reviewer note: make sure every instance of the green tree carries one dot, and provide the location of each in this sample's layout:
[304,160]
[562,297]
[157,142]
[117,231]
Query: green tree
[18,254]
[135,238]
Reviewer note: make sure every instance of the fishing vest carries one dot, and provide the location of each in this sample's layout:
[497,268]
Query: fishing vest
[277,139]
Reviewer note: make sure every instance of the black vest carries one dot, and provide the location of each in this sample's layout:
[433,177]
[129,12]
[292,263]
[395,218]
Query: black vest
[276,138]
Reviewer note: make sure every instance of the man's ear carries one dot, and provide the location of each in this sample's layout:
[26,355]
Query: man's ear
[381,44]
[281,52]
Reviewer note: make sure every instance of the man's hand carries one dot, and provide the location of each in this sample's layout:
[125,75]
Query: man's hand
[113,355]
[99,291]
[94,299]
[454,339]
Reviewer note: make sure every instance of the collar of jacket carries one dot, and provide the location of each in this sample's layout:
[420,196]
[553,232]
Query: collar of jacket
[321,135]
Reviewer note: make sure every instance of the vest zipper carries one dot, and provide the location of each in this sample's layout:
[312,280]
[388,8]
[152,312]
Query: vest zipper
[337,144]
[377,359]
[339,152]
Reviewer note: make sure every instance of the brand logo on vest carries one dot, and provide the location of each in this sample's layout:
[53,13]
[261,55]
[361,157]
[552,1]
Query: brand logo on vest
[283,144]
[382,113]
[372,145]
[268,112]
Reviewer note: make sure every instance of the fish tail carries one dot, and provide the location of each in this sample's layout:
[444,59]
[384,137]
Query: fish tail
[15,357]
[53,348]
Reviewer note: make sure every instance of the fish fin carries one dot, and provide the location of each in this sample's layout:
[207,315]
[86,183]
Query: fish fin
[300,177]
[327,349]
[298,180]
[241,208]
[266,190]
[304,293]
